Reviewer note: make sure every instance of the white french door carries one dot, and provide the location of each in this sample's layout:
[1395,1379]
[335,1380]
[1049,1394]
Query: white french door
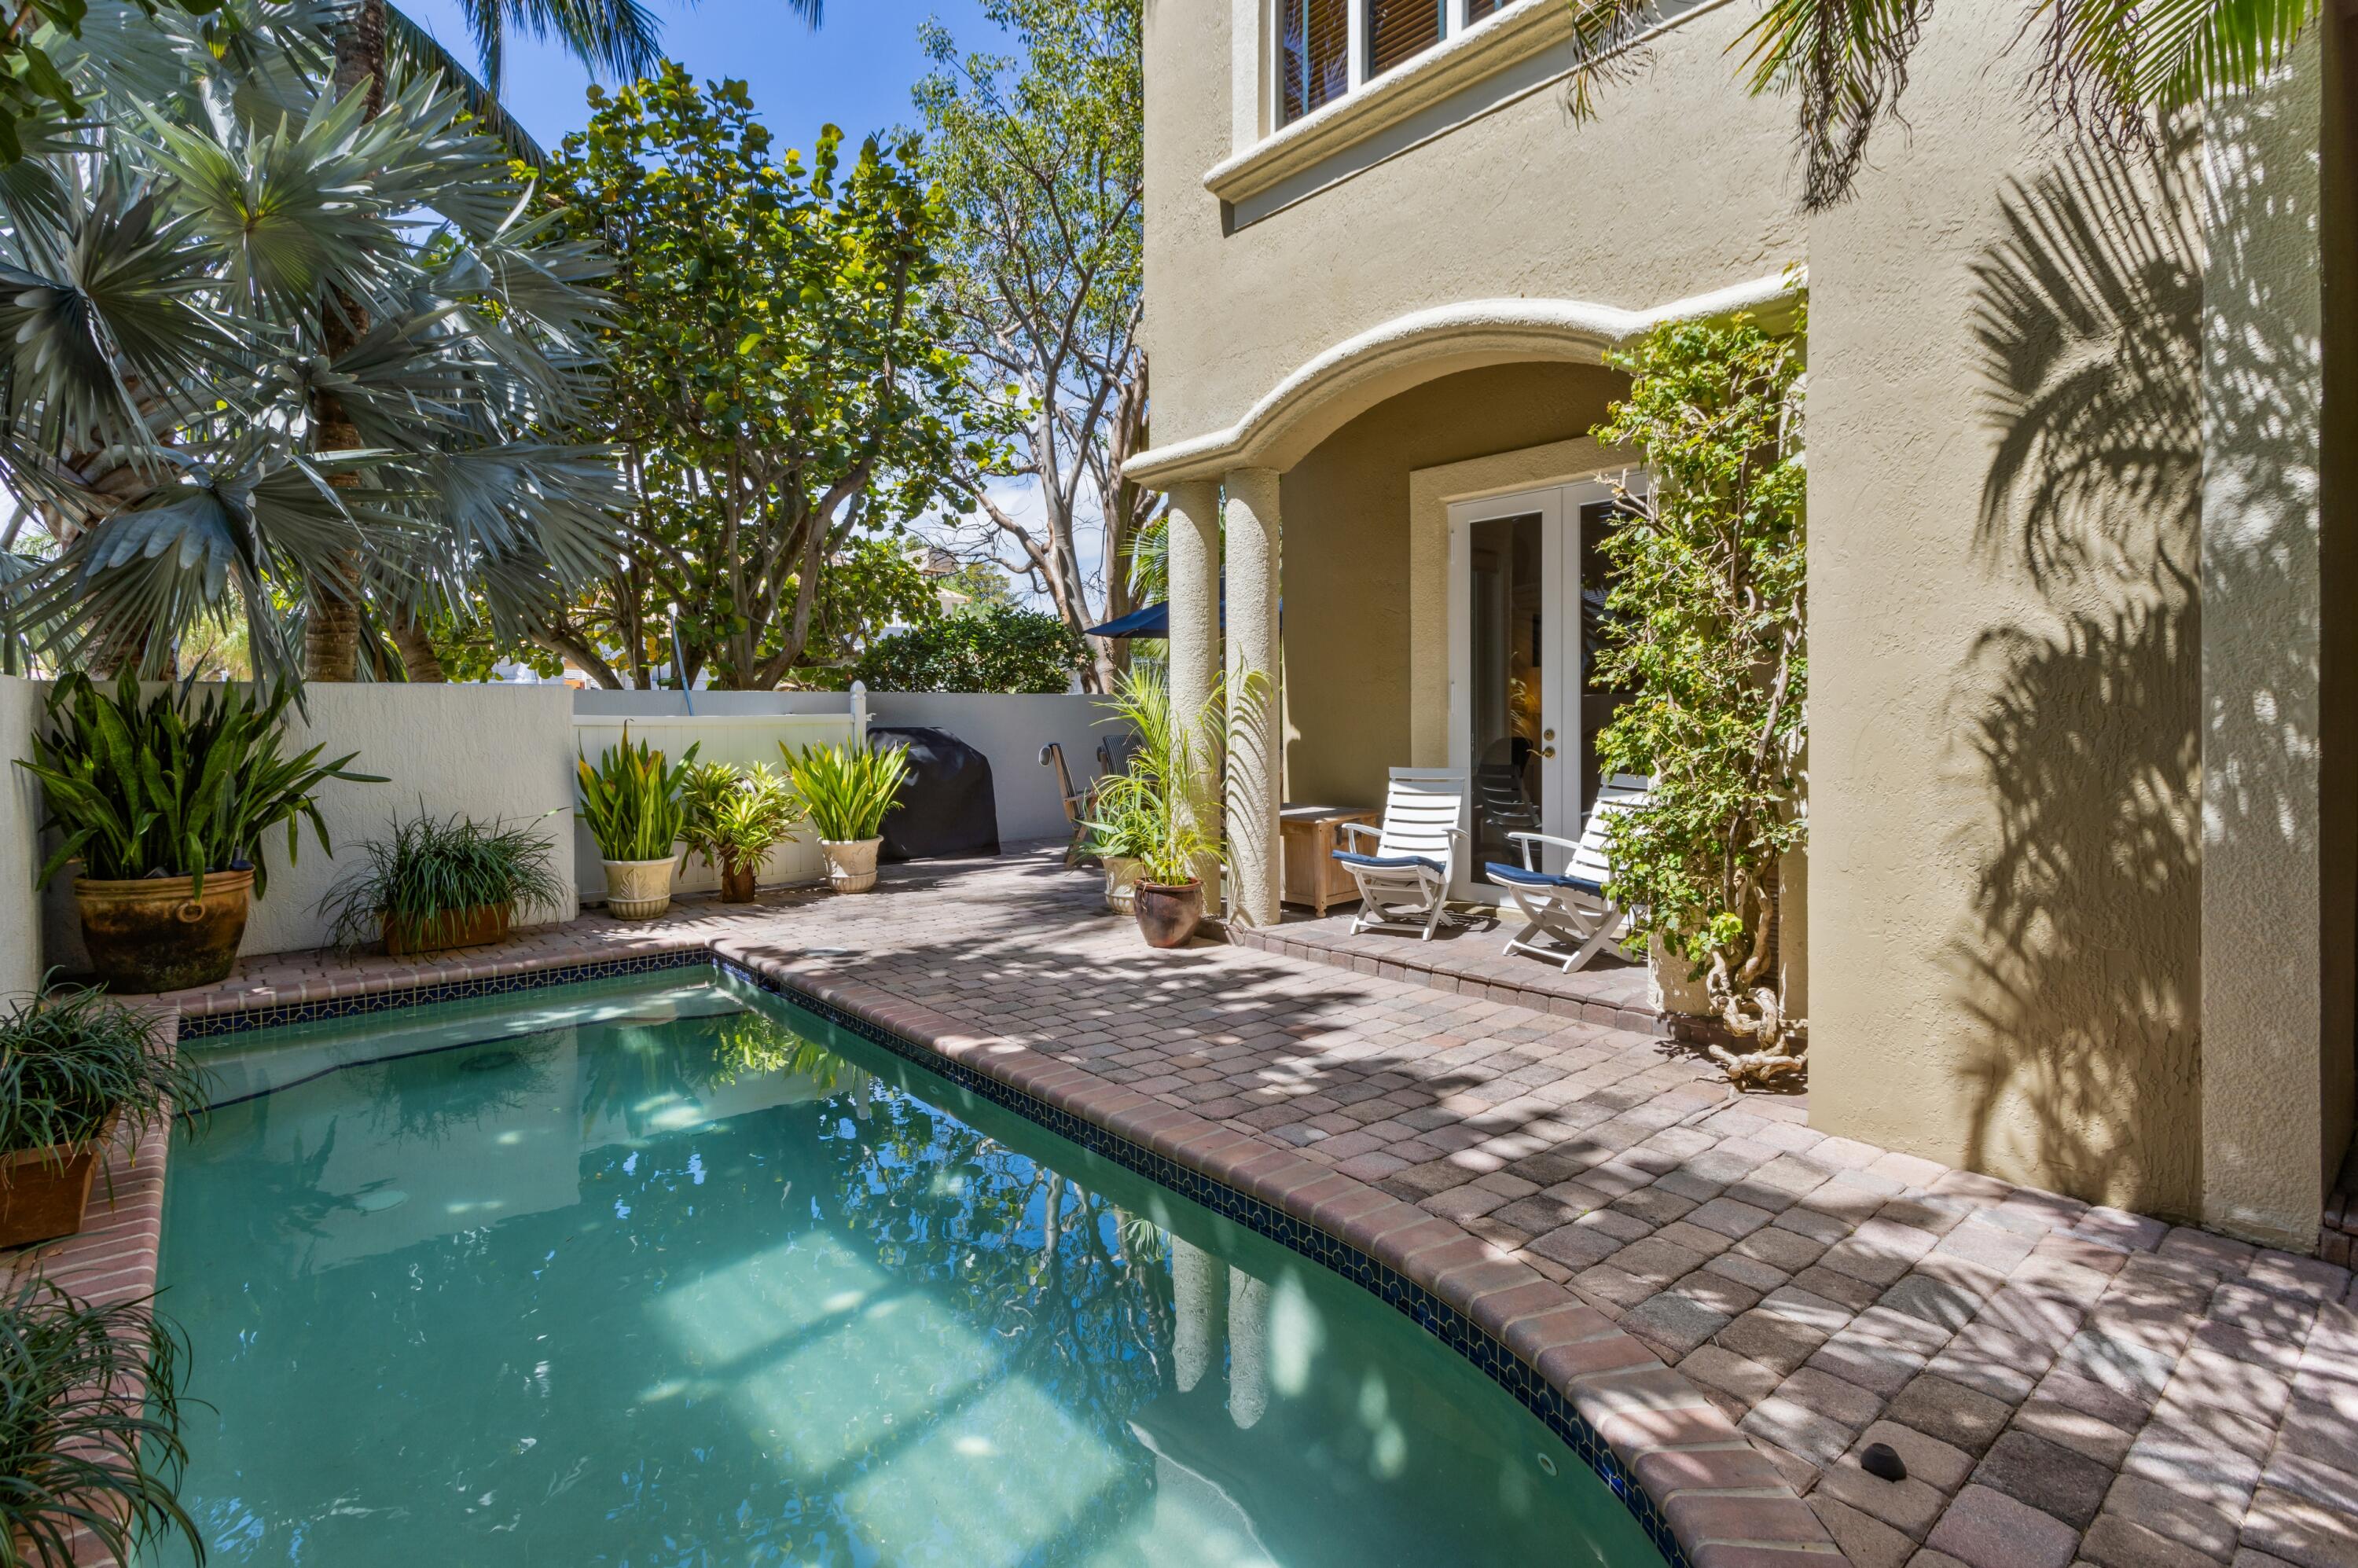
[1526,597]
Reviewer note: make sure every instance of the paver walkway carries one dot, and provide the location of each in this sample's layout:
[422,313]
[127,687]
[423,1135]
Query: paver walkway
[2066,1384]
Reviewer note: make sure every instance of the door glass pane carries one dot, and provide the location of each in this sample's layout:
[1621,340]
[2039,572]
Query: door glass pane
[1400,29]
[1314,56]
[1505,620]
[1597,701]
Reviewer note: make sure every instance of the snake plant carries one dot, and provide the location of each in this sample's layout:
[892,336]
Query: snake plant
[167,786]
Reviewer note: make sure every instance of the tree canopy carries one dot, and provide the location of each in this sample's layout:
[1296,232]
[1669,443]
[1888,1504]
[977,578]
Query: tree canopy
[779,382]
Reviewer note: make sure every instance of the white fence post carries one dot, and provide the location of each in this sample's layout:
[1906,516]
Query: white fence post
[859,714]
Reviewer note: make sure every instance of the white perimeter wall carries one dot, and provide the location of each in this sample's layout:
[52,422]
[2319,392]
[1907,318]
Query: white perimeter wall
[1009,731]
[507,751]
[491,751]
[20,822]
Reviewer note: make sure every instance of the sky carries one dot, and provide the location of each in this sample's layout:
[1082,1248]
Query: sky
[856,70]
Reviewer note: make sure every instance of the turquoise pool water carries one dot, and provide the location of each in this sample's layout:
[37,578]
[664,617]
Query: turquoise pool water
[661,1272]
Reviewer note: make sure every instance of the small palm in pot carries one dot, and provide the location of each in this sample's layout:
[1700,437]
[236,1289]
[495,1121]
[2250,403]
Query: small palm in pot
[735,818]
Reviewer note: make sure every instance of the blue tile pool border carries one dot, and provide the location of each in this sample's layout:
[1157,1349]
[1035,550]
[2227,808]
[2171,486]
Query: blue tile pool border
[1420,1306]
[279,1015]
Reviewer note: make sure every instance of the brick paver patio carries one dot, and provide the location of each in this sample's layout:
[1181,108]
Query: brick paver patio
[2066,1384]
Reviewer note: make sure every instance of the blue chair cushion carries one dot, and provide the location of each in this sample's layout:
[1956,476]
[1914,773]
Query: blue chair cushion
[1390,863]
[1515,876]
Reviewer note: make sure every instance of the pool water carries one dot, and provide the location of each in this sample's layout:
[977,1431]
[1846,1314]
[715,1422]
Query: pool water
[670,1273]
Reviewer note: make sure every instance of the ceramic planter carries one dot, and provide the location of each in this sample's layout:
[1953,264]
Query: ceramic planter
[1168,913]
[638,890]
[850,862]
[1121,884]
[156,935]
[45,1192]
[476,927]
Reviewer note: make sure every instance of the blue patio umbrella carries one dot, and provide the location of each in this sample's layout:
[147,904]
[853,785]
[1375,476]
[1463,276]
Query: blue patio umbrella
[1153,621]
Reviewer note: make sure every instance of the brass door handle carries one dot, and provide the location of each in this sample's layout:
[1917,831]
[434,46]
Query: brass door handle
[1547,751]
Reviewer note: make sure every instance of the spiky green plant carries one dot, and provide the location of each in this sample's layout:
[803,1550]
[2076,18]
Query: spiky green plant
[847,790]
[432,872]
[76,1453]
[736,816]
[632,800]
[72,1059]
[164,786]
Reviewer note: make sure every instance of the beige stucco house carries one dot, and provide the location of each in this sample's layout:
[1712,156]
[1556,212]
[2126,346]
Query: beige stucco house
[2078,907]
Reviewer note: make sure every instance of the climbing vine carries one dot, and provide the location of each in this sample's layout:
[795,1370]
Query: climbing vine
[1704,625]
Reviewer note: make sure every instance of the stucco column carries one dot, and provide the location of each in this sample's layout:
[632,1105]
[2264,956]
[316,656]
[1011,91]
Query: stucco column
[1256,764]
[1195,651]
[2276,934]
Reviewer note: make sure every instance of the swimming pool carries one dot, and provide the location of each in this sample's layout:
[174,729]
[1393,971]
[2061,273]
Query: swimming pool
[667,1272]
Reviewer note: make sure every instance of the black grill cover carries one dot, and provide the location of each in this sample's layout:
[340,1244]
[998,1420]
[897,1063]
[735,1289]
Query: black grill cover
[948,808]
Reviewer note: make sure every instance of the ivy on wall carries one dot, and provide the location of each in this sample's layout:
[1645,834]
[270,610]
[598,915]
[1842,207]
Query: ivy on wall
[1705,625]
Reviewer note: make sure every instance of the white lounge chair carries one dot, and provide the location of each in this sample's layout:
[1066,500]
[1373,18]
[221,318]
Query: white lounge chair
[1404,879]
[1569,919]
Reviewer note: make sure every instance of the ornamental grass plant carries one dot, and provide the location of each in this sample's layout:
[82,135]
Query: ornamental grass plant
[73,1060]
[433,873]
[76,1453]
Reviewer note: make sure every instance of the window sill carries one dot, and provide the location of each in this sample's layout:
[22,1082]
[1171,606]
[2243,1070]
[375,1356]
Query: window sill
[1490,46]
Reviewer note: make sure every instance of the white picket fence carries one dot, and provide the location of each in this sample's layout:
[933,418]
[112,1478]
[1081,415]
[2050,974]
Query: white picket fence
[741,739]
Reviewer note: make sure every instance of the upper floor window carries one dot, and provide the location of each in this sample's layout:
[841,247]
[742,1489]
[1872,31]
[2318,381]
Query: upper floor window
[1326,47]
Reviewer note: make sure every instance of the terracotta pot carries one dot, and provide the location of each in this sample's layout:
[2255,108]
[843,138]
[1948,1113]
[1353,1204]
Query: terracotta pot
[476,927]
[638,890]
[850,862]
[737,881]
[1168,913]
[45,1192]
[1121,884]
[156,935]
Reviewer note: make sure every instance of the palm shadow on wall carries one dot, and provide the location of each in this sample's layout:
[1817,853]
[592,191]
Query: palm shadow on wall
[2079,719]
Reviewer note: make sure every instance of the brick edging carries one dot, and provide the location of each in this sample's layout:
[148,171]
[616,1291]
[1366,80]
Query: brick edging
[1722,1500]
[1276,941]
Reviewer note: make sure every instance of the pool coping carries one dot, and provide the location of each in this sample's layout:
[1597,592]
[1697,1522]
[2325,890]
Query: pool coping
[1703,1494]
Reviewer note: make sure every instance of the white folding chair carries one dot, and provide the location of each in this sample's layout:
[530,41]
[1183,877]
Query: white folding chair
[1404,880]
[1568,918]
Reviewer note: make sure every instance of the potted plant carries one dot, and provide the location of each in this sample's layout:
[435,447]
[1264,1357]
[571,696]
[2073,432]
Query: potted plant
[1145,808]
[75,1065]
[165,802]
[79,1454]
[736,817]
[443,882]
[846,791]
[1119,839]
[631,802]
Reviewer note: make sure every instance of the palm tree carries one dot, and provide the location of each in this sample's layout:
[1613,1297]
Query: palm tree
[2115,67]
[268,354]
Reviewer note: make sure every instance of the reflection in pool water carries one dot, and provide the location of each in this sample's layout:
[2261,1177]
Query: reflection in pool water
[662,1274]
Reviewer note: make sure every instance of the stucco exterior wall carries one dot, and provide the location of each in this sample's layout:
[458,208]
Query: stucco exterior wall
[1678,190]
[2005,871]
[1354,706]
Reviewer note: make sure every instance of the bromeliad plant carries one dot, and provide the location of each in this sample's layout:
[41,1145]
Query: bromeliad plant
[72,1061]
[435,879]
[166,786]
[1705,625]
[735,817]
[632,801]
[1143,812]
[847,790]
[77,1450]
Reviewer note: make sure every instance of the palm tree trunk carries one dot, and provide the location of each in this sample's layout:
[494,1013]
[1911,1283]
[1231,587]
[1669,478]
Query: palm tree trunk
[417,654]
[331,633]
